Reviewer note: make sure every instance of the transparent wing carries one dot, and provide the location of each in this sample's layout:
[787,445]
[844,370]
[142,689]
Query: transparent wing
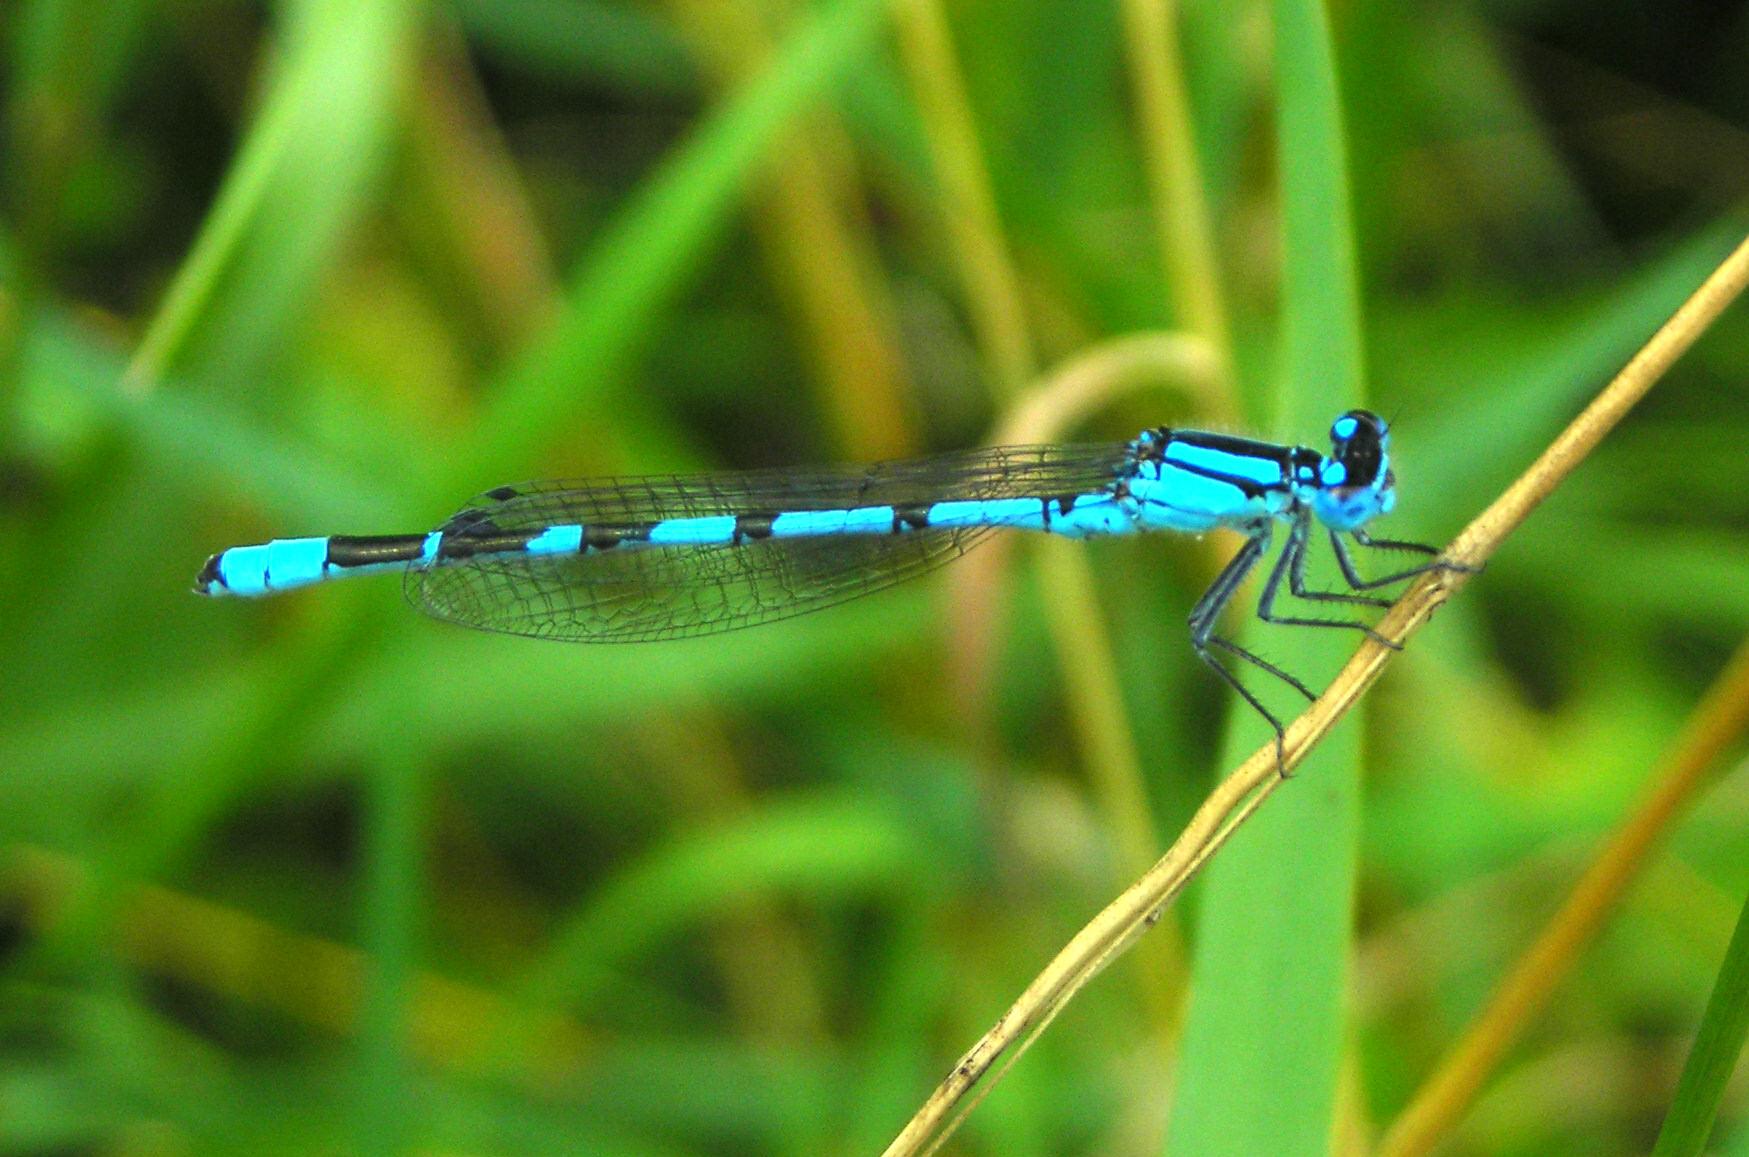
[661,592]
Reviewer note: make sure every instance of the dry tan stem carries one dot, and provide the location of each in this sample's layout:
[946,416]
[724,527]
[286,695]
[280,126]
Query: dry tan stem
[1243,791]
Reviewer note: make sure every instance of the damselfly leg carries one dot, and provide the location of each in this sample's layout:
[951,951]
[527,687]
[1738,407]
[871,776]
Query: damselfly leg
[1290,569]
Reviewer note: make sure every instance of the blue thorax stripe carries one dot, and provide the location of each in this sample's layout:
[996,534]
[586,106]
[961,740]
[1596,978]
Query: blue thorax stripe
[1264,470]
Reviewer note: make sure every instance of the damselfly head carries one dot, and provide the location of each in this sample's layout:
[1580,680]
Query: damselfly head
[1357,481]
[1357,441]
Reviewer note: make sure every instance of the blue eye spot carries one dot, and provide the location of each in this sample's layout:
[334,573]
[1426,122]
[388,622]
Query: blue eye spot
[1343,429]
[1335,474]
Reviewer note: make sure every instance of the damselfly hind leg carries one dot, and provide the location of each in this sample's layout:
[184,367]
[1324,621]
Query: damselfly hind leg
[1207,613]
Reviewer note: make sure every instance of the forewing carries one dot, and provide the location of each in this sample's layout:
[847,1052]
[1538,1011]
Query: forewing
[640,593]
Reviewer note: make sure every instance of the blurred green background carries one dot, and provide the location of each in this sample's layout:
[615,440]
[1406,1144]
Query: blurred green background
[320,875]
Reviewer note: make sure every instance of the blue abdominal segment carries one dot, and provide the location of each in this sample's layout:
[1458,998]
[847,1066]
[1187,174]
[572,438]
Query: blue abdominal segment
[812,523]
[712,531]
[275,566]
[286,563]
[1020,513]
[555,540]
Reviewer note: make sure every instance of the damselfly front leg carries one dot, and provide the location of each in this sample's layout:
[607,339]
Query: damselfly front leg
[1345,560]
[1291,566]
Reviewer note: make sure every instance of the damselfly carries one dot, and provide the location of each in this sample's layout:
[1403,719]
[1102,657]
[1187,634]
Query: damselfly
[638,559]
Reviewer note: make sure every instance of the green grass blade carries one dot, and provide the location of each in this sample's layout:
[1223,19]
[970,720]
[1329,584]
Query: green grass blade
[301,178]
[1523,387]
[1263,1040]
[575,42]
[820,846]
[633,270]
[387,1121]
[66,61]
[69,391]
[1717,1048]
